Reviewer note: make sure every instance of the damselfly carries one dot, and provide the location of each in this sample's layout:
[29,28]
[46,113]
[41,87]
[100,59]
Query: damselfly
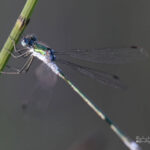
[34,48]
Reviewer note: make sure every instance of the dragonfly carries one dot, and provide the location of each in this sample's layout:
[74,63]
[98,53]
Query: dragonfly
[33,48]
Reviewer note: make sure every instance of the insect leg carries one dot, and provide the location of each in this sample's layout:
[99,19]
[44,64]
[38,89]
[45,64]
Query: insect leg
[27,65]
[14,44]
[17,56]
[23,69]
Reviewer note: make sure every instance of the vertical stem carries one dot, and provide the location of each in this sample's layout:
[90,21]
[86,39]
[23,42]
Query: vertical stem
[16,32]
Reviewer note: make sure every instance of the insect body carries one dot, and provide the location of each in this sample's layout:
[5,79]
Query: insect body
[31,43]
[34,48]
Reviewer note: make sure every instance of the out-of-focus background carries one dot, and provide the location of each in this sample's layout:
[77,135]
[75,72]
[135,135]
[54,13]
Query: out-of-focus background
[57,118]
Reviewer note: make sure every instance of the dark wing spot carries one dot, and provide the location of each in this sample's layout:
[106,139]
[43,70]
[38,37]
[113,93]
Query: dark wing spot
[24,106]
[134,46]
[116,77]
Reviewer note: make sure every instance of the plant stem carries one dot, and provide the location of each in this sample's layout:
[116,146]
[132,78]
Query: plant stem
[16,32]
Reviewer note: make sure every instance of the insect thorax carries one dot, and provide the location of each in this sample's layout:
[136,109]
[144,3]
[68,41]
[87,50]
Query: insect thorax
[42,52]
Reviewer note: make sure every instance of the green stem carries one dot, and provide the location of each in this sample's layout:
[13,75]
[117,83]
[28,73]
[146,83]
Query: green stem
[16,32]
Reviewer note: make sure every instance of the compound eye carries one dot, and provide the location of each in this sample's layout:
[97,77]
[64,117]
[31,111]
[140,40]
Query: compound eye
[26,40]
[23,43]
[33,38]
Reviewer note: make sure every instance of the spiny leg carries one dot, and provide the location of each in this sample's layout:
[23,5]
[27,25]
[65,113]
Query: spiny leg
[18,56]
[14,44]
[27,65]
[23,69]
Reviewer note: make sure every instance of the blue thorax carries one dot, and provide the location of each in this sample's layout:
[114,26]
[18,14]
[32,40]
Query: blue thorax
[31,41]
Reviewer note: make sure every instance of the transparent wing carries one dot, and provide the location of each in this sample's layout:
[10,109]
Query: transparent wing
[46,78]
[39,97]
[103,77]
[107,55]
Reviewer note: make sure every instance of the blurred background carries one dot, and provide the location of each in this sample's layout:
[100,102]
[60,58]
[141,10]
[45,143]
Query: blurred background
[56,117]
